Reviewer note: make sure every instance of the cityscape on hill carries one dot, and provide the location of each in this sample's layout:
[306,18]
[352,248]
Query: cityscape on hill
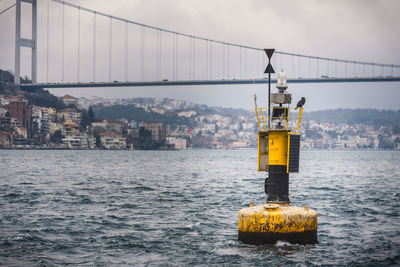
[236,128]
[39,119]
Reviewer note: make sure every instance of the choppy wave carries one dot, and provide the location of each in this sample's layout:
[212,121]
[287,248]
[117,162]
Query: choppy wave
[151,208]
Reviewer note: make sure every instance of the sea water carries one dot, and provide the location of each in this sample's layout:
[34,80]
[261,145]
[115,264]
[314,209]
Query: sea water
[175,208]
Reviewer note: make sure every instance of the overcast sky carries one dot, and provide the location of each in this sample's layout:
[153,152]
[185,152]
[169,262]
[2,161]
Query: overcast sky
[362,30]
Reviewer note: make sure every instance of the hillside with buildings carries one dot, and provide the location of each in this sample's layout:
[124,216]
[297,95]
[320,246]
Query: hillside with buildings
[38,119]
[216,127]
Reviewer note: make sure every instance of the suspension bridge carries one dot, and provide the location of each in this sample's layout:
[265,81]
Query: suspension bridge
[122,52]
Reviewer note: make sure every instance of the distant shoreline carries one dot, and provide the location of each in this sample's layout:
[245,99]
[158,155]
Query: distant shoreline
[244,148]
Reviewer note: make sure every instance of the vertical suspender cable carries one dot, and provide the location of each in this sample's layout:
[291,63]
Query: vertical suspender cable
[176,55]
[194,59]
[336,68]
[206,76]
[62,64]
[211,60]
[298,67]
[190,58]
[144,53]
[159,57]
[177,58]
[141,53]
[79,43]
[47,41]
[157,54]
[245,63]
[175,52]
[126,50]
[94,46]
[228,66]
[159,68]
[327,68]
[258,63]
[223,61]
[156,65]
[240,62]
[110,49]
[373,70]
[309,68]
[173,56]
[293,70]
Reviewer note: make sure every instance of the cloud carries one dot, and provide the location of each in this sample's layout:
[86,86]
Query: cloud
[356,30]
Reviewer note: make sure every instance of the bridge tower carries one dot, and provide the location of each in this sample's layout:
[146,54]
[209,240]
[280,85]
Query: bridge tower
[22,42]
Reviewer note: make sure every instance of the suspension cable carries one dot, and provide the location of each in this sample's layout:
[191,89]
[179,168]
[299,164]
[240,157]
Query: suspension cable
[7,9]
[216,41]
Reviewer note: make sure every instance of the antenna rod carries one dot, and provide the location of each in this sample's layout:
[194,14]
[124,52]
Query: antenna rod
[269,70]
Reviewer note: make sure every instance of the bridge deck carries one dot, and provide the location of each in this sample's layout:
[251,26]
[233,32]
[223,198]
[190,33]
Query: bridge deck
[203,82]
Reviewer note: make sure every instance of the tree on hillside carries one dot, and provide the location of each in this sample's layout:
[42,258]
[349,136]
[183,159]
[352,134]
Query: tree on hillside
[87,118]
[43,98]
[91,115]
[56,137]
[130,112]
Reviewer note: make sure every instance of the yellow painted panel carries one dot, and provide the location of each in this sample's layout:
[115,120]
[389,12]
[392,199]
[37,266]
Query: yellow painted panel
[278,147]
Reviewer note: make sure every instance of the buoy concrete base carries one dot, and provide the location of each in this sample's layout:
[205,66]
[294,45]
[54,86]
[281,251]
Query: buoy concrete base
[270,223]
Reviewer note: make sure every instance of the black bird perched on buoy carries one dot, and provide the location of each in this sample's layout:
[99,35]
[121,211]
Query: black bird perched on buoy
[301,102]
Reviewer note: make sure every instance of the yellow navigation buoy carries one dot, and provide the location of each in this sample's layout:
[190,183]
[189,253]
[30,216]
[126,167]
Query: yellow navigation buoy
[269,223]
[278,154]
